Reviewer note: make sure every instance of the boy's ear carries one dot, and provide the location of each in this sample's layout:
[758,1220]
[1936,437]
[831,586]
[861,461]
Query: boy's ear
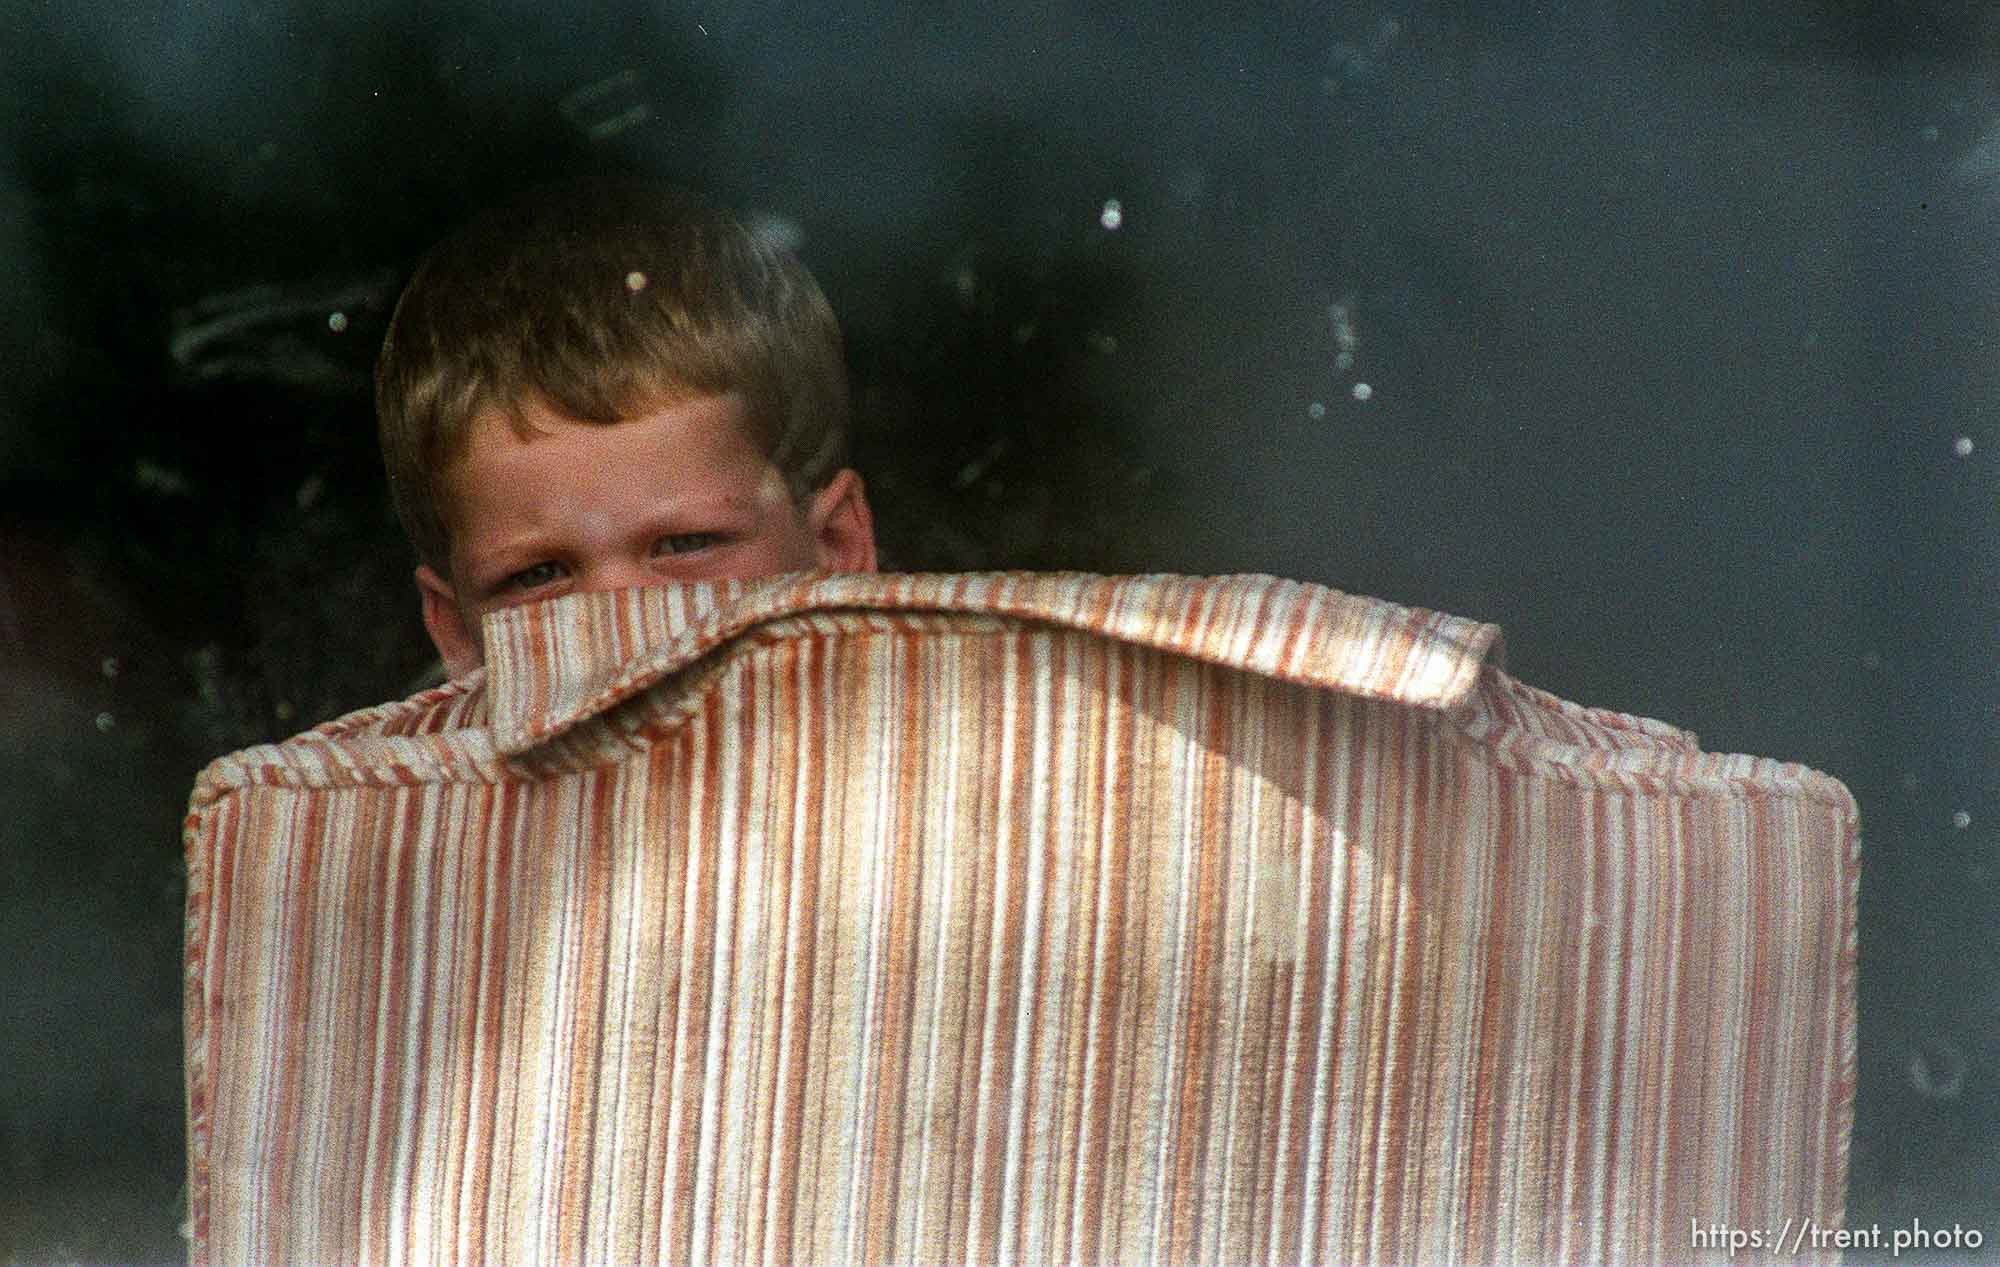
[843,529]
[450,632]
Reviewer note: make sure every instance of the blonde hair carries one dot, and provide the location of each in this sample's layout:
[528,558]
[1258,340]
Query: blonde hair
[603,300]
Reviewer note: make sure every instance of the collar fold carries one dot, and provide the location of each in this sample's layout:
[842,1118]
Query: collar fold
[555,664]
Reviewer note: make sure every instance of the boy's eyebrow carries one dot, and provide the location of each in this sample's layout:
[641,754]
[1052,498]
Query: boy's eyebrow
[665,518]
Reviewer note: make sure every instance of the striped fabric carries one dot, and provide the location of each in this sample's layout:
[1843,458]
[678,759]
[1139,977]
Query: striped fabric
[1052,918]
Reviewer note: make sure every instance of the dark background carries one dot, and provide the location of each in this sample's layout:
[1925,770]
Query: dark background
[1678,325]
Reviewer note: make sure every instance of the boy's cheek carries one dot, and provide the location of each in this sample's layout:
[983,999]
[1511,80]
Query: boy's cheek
[773,496]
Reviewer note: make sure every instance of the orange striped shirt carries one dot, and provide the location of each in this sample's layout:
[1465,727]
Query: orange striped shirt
[1024,918]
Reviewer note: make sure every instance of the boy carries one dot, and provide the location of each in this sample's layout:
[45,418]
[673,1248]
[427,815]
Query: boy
[604,385]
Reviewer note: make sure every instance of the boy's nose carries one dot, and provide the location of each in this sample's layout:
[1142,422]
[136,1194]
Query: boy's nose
[614,574]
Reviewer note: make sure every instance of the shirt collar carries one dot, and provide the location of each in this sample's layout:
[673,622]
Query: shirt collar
[554,664]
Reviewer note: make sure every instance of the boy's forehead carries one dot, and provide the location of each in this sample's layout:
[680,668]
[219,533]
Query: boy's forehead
[534,415]
[690,450]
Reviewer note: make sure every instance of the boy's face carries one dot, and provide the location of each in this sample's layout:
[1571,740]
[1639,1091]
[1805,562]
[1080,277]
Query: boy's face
[678,493]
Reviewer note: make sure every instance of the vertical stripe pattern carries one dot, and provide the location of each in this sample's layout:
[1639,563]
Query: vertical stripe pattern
[1009,919]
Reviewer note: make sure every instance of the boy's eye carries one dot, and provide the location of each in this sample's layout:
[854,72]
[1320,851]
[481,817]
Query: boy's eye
[535,577]
[687,542]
